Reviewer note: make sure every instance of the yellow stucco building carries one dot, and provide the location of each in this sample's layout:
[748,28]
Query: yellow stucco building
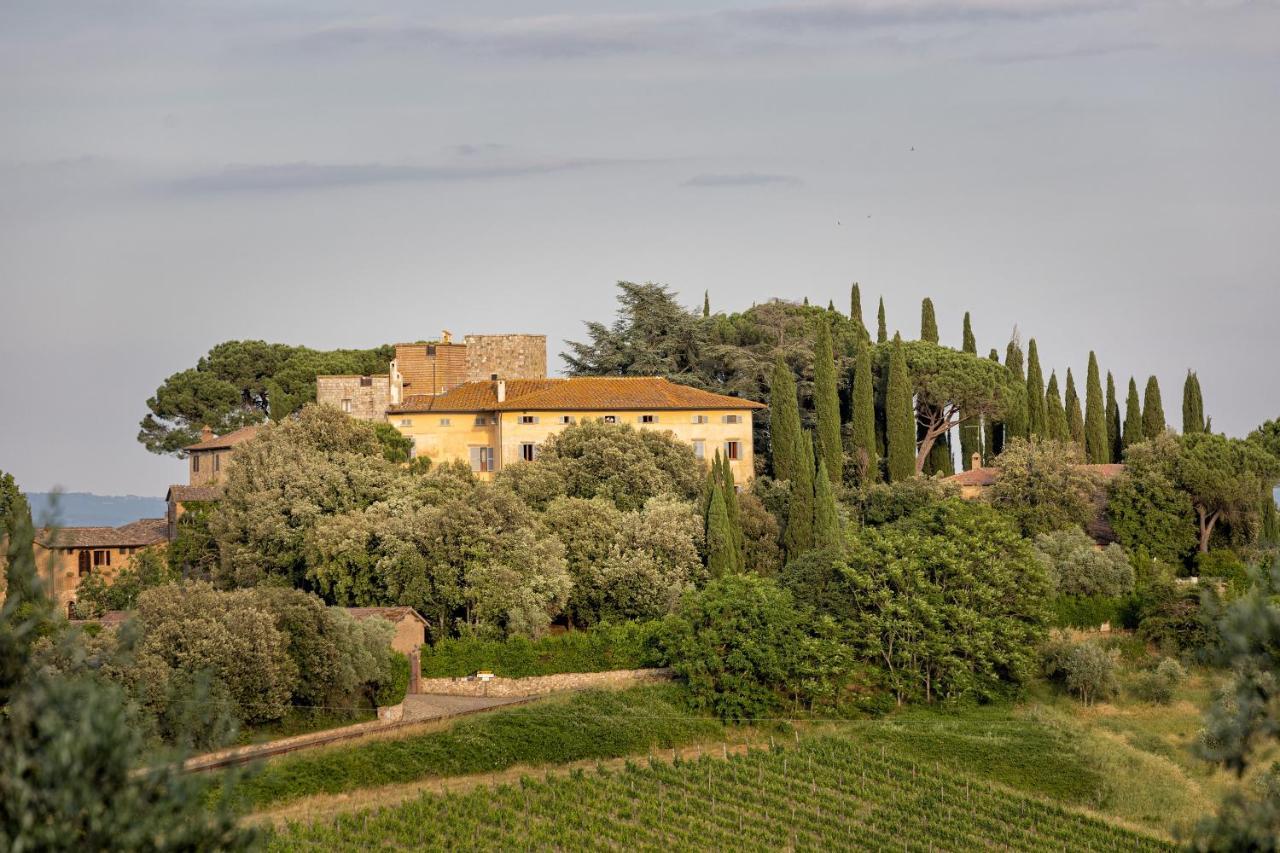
[494,423]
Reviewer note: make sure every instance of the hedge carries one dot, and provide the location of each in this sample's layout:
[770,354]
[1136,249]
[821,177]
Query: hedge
[1070,611]
[630,645]
[393,692]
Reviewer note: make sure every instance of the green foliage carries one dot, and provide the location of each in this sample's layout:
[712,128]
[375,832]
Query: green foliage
[1086,669]
[734,511]
[1192,405]
[784,421]
[1146,508]
[145,569]
[1037,414]
[928,322]
[1158,685]
[866,460]
[946,603]
[1132,432]
[193,554]
[596,724]
[393,690]
[882,329]
[887,502]
[720,545]
[827,404]
[1042,487]
[1056,426]
[900,419]
[1115,440]
[1075,420]
[1087,612]
[970,427]
[798,536]
[396,447]
[603,647]
[1097,445]
[855,312]
[1077,568]
[1153,420]
[826,519]
[1224,477]
[241,382]
[1015,416]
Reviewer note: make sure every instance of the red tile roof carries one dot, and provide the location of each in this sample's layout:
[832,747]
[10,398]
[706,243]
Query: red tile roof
[146,531]
[986,475]
[391,614]
[231,439]
[183,494]
[585,393]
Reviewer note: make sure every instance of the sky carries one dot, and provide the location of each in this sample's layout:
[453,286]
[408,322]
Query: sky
[1099,174]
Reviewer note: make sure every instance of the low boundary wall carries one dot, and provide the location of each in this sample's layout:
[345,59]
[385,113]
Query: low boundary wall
[539,685]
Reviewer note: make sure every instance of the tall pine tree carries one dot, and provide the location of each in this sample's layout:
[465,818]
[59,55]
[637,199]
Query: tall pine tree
[1115,438]
[1153,422]
[855,312]
[826,519]
[992,430]
[1055,421]
[720,546]
[1075,418]
[827,402]
[798,536]
[1037,418]
[863,427]
[1192,405]
[970,428]
[784,421]
[1132,416]
[1097,449]
[706,303]
[1015,424]
[939,461]
[734,512]
[928,322]
[882,330]
[900,417]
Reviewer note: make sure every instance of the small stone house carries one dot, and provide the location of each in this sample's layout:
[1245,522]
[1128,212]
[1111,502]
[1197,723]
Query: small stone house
[65,556]
[207,459]
[411,628]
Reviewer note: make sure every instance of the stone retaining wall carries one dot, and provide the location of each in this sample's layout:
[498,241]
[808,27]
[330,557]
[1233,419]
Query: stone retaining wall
[541,684]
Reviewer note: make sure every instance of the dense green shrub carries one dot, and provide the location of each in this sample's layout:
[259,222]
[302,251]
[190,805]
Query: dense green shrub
[595,724]
[1086,669]
[1225,565]
[1043,486]
[1077,611]
[1077,567]
[882,503]
[1158,685]
[393,690]
[629,645]
[1146,508]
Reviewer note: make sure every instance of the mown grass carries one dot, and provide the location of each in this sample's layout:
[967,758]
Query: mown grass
[596,724]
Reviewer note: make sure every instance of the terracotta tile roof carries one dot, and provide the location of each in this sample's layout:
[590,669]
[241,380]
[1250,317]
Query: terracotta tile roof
[146,531]
[183,494]
[586,393]
[987,475]
[231,439]
[391,614]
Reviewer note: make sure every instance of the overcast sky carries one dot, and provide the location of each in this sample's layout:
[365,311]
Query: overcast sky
[174,174]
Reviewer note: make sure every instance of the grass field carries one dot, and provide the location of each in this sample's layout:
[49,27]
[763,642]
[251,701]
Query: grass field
[826,793]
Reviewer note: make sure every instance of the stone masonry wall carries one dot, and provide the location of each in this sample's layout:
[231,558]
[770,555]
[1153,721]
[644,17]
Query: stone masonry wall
[541,684]
[509,356]
[368,402]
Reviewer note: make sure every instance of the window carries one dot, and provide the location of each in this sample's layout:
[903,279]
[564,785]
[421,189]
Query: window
[346,405]
[528,419]
[733,450]
[195,463]
[610,419]
[101,558]
[406,422]
[568,419]
[699,448]
[648,419]
[84,563]
[528,451]
[481,420]
[699,419]
[731,419]
[366,381]
[217,462]
[481,459]
[71,610]
[445,422]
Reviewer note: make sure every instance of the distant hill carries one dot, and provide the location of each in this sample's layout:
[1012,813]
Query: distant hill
[81,509]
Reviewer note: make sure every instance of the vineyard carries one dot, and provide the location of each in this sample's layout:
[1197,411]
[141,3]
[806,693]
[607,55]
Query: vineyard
[823,794]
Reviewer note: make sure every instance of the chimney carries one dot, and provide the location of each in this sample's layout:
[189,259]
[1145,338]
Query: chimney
[975,461]
[206,432]
[502,390]
[446,336]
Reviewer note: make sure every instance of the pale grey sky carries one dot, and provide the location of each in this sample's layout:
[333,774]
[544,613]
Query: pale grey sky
[174,174]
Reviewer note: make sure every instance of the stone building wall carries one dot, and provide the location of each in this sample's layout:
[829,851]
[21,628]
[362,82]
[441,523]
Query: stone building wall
[509,356]
[368,402]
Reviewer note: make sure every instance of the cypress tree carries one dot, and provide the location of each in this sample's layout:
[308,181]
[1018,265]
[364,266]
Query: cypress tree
[1153,422]
[855,312]
[1075,419]
[970,428]
[1055,422]
[882,330]
[1015,419]
[831,306]
[706,303]
[1132,416]
[784,421]
[720,547]
[1115,443]
[827,402]
[806,302]
[900,417]
[1192,405]
[863,438]
[1096,447]
[826,519]
[928,322]
[992,430]
[798,537]
[1037,417]
[734,512]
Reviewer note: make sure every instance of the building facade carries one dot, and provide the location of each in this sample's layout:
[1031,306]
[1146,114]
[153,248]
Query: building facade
[208,459]
[66,556]
[495,423]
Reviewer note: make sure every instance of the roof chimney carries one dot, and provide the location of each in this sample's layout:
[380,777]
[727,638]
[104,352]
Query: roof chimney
[446,337]
[206,432]
[975,461]
[502,390]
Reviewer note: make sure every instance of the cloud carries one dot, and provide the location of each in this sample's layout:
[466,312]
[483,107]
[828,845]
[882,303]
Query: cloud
[744,179]
[279,177]
[861,14]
